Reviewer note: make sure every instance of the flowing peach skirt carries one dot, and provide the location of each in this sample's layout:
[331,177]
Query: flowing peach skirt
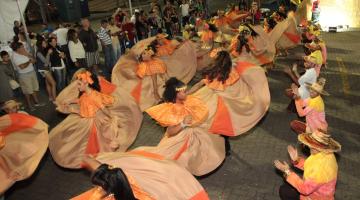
[193,148]
[181,64]
[291,36]
[23,150]
[240,106]
[69,139]
[160,178]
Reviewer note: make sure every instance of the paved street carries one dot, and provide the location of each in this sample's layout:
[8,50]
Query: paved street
[248,174]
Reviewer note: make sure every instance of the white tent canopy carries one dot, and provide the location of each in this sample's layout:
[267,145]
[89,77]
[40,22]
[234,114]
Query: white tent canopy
[9,12]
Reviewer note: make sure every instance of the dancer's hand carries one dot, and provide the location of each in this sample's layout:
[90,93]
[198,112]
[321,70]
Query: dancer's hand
[282,166]
[293,153]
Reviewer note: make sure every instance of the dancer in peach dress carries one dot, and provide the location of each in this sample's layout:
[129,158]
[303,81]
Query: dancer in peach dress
[185,140]
[237,96]
[132,176]
[143,74]
[23,142]
[98,122]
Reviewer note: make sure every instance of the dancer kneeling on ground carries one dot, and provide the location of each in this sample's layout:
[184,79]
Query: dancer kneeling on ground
[320,169]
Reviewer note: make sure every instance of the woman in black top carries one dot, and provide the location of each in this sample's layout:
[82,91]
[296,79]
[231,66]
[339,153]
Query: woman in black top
[43,66]
[141,26]
[57,63]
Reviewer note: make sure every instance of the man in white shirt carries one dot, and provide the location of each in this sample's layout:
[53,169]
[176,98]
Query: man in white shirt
[309,76]
[61,35]
[184,12]
[133,17]
[27,75]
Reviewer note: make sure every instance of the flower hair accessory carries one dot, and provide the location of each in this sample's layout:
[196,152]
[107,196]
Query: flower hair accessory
[86,76]
[179,89]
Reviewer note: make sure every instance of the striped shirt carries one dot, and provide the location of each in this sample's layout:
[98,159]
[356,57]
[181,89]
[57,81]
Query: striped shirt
[104,36]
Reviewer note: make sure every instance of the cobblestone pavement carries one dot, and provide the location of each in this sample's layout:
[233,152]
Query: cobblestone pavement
[248,174]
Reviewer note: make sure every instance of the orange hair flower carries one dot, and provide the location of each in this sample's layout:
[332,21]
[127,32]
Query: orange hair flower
[85,76]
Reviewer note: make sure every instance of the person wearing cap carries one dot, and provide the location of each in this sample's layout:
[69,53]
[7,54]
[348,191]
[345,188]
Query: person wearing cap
[320,169]
[318,44]
[313,109]
[300,82]
[315,58]
[309,76]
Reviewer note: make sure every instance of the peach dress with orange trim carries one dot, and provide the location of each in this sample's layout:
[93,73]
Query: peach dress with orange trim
[262,47]
[180,64]
[193,148]
[92,131]
[291,37]
[153,178]
[239,104]
[224,24]
[25,141]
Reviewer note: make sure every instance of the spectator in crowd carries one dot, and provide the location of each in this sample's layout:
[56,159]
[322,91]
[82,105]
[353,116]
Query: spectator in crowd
[115,32]
[21,37]
[106,43]
[127,36]
[141,26]
[255,14]
[118,17]
[46,29]
[243,5]
[155,6]
[153,23]
[192,17]
[61,35]
[6,75]
[159,20]
[168,12]
[27,76]
[17,27]
[88,39]
[133,17]
[184,12]
[77,53]
[57,63]
[43,67]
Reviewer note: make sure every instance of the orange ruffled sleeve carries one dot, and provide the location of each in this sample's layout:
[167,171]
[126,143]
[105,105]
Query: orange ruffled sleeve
[171,114]
[92,102]
[219,85]
[166,49]
[207,36]
[151,67]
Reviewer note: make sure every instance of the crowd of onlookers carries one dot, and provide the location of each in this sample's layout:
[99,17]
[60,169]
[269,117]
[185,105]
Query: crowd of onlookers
[51,56]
